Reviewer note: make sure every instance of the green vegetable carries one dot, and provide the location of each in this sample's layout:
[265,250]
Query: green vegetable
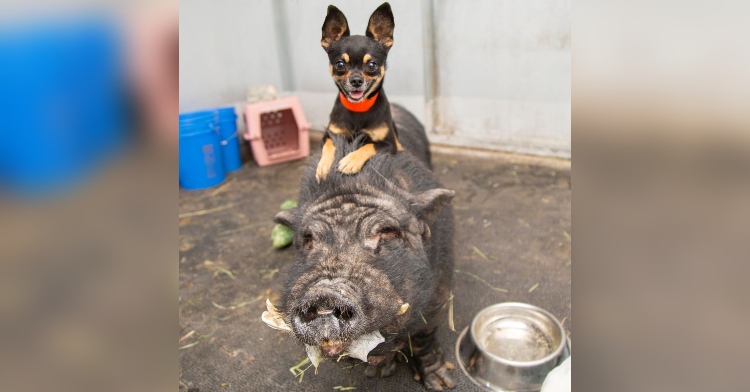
[281,236]
[288,205]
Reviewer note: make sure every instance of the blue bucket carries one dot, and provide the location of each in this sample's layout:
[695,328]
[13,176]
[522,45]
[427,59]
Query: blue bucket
[62,103]
[227,120]
[201,159]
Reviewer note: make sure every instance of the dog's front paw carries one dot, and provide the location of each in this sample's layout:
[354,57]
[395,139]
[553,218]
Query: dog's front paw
[324,166]
[326,161]
[436,378]
[352,163]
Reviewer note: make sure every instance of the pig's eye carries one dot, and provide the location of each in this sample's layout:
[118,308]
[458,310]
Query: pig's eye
[307,240]
[388,233]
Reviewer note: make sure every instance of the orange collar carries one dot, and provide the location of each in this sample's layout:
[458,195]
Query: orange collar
[359,107]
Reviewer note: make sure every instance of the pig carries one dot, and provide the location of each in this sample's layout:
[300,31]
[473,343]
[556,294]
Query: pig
[373,271]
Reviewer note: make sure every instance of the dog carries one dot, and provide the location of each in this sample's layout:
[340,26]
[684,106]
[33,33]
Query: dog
[357,65]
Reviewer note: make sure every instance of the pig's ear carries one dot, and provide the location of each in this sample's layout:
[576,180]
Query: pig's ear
[287,218]
[428,205]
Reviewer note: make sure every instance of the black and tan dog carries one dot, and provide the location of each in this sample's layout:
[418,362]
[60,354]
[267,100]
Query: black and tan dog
[357,65]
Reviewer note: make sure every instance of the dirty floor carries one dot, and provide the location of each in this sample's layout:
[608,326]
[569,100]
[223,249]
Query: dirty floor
[512,244]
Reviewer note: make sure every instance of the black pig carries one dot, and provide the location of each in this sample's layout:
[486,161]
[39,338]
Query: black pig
[374,254]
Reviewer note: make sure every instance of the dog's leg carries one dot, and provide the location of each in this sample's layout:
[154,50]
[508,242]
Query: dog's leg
[384,133]
[326,160]
[352,163]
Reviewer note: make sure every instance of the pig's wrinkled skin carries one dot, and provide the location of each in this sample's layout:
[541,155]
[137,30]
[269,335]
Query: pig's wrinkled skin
[367,244]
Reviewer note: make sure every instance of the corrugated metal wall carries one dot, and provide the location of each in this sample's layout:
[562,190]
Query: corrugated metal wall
[483,73]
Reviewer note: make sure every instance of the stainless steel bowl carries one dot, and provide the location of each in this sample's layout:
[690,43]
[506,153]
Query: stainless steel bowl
[511,347]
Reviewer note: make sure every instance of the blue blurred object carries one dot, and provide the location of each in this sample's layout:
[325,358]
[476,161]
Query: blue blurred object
[230,145]
[201,159]
[62,102]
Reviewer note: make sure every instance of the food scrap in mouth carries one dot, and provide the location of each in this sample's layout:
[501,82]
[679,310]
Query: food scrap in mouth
[359,348]
[332,347]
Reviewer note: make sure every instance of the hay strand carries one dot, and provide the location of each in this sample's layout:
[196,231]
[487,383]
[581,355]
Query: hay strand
[450,314]
[189,345]
[480,253]
[208,211]
[483,281]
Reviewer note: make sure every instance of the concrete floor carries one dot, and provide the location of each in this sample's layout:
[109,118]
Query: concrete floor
[512,233]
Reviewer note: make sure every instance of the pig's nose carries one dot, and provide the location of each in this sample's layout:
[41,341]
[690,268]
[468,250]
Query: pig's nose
[327,305]
[343,313]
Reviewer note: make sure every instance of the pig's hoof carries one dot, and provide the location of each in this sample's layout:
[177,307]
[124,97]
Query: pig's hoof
[384,366]
[436,378]
[385,369]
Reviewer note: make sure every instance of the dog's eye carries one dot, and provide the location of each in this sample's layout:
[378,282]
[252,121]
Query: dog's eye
[339,65]
[373,66]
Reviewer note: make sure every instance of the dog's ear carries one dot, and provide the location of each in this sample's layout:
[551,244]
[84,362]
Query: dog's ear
[380,27]
[334,27]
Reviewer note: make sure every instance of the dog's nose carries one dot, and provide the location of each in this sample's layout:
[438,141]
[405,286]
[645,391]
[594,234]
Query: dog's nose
[356,81]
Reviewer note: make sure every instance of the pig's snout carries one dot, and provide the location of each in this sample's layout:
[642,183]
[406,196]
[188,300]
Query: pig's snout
[327,303]
[343,313]
[328,315]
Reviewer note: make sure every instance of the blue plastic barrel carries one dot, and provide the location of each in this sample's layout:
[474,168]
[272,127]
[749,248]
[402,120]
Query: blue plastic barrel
[227,120]
[201,159]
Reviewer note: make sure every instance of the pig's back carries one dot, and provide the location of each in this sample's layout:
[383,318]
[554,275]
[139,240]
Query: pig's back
[411,134]
[410,170]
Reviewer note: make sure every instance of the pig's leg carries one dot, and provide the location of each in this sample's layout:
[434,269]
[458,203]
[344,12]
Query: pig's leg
[381,365]
[429,363]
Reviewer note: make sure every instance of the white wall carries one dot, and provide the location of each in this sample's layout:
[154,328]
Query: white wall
[498,75]
[225,46]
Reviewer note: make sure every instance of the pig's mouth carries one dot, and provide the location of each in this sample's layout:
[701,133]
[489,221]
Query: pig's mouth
[357,348]
[333,348]
[333,319]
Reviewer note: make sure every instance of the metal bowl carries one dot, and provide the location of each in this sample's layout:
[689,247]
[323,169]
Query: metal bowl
[511,347]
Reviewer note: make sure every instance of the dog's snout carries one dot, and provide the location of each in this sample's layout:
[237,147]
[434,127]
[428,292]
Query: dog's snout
[356,81]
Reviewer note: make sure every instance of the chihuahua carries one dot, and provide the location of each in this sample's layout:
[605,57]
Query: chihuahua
[357,65]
